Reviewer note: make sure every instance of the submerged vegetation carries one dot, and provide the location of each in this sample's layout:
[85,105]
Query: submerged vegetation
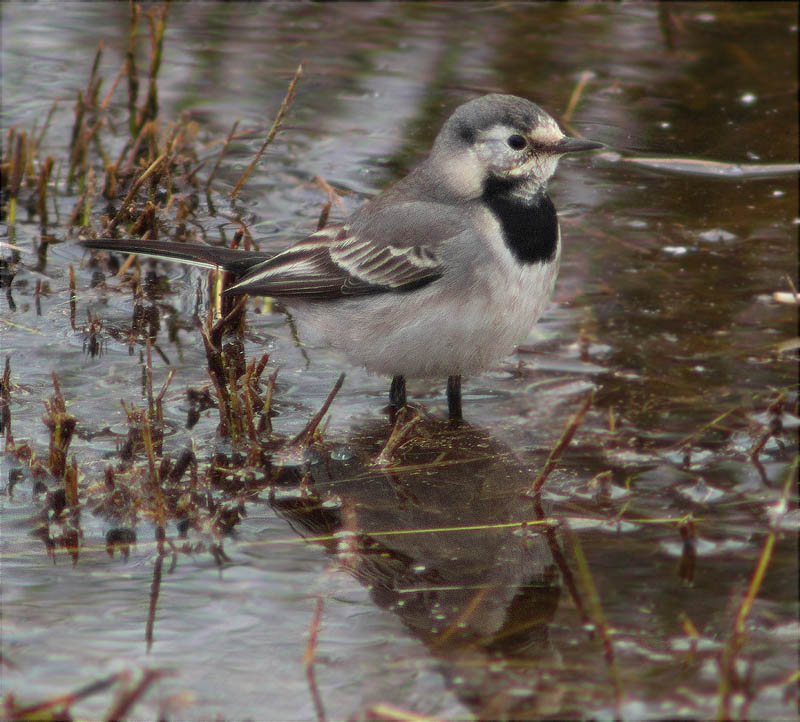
[150,177]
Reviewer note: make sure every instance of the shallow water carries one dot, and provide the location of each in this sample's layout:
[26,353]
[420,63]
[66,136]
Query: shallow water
[663,308]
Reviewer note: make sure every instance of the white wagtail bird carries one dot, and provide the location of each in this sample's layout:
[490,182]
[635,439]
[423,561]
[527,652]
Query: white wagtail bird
[439,275]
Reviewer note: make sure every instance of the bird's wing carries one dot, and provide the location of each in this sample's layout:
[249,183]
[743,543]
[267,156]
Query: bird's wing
[337,263]
[384,247]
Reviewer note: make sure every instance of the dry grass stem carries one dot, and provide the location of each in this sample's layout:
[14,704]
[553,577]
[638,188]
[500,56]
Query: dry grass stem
[729,676]
[134,189]
[563,442]
[45,127]
[62,426]
[598,617]
[401,429]
[129,698]
[307,434]
[577,91]
[35,711]
[276,124]
[221,154]
[309,656]
[5,402]
[155,591]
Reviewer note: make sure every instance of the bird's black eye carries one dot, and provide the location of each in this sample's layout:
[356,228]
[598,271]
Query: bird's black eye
[516,142]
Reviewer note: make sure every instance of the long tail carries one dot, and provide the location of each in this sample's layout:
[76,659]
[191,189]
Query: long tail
[195,254]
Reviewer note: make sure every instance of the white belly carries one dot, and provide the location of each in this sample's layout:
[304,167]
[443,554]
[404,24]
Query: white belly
[446,328]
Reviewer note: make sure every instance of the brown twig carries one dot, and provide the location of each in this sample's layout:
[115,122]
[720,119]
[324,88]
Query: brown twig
[62,425]
[308,659]
[736,640]
[402,427]
[558,449]
[598,618]
[560,559]
[155,590]
[125,703]
[113,87]
[221,154]
[577,91]
[276,124]
[308,432]
[134,189]
[157,20]
[45,127]
[130,71]
[5,403]
[265,420]
[44,179]
[65,700]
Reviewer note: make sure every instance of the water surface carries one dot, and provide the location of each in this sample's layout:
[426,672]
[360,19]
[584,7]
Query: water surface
[664,309]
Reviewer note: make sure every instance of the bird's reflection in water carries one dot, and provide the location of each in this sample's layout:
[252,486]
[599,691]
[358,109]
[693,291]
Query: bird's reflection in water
[443,536]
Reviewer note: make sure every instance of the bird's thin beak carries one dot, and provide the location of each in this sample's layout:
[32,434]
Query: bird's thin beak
[576,145]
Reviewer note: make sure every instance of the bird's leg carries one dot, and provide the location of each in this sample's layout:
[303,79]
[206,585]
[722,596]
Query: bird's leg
[454,397]
[397,392]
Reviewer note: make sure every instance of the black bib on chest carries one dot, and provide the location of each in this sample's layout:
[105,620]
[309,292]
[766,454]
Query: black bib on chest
[529,225]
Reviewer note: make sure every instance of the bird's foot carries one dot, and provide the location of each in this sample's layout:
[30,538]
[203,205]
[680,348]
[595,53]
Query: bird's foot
[454,398]
[397,394]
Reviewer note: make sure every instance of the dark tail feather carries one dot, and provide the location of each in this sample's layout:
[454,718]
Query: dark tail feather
[238,262]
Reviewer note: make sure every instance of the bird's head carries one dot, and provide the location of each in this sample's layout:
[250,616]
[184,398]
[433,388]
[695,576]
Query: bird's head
[501,139]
